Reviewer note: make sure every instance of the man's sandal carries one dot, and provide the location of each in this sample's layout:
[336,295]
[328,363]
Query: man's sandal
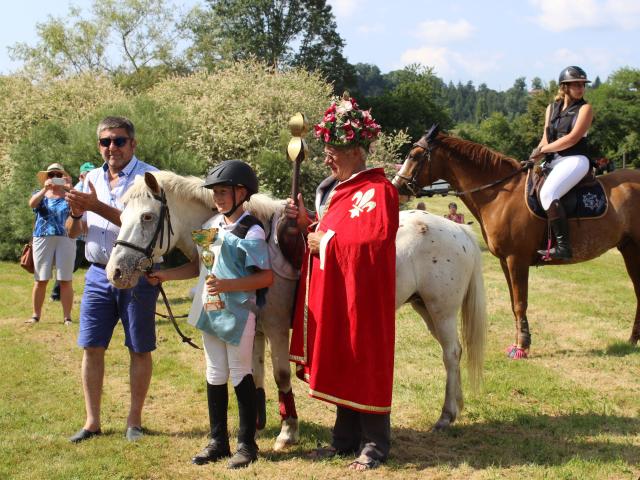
[364,462]
[33,319]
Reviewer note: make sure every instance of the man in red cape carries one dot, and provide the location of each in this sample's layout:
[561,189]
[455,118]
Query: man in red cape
[344,323]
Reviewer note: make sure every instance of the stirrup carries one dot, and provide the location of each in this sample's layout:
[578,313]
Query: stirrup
[553,254]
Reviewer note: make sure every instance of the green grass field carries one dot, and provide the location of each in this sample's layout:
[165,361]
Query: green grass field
[572,411]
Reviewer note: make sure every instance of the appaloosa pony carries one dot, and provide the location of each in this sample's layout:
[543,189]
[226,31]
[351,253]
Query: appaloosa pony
[439,271]
[492,186]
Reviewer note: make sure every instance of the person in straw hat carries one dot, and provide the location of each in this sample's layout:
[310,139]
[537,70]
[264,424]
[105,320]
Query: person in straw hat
[51,243]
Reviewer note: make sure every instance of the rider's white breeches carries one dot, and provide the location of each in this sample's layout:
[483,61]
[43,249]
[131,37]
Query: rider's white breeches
[225,360]
[565,174]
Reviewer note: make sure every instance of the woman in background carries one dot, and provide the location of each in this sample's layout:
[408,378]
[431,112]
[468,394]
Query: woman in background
[51,244]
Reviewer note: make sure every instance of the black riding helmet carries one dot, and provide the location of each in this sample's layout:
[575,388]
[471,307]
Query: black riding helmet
[573,74]
[233,173]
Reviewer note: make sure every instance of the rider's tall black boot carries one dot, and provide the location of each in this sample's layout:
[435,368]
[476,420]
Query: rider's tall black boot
[560,229]
[218,447]
[247,410]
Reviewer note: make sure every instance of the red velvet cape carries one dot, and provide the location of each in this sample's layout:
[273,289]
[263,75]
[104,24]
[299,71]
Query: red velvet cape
[344,324]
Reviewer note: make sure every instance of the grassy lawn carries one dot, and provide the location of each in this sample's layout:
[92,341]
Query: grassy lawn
[571,411]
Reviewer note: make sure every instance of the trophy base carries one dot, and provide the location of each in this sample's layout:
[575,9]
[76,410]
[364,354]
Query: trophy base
[214,306]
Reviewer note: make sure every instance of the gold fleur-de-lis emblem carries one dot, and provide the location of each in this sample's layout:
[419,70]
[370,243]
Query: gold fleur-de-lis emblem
[362,202]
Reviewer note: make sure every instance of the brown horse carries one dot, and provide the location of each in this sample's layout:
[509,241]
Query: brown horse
[492,186]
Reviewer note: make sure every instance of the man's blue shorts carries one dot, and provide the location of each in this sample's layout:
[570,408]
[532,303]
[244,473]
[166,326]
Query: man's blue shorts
[103,305]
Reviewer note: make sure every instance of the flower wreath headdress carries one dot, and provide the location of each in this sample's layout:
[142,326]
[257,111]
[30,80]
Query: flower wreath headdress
[344,124]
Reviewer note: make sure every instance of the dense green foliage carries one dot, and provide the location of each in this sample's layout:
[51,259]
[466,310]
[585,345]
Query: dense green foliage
[161,130]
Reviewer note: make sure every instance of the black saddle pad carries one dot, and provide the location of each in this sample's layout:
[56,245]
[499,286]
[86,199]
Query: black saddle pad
[582,201]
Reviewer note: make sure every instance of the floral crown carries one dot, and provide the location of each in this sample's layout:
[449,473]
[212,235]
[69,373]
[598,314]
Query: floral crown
[344,124]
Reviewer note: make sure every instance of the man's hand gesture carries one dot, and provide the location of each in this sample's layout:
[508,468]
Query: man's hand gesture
[81,202]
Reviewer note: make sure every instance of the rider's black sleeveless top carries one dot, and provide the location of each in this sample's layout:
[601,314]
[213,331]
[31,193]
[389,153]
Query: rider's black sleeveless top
[561,122]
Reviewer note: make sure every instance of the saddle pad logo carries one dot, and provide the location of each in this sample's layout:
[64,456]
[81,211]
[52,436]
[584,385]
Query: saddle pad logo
[592,201]
[362,202]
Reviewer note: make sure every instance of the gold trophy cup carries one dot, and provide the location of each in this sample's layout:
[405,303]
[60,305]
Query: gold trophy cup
[205,238]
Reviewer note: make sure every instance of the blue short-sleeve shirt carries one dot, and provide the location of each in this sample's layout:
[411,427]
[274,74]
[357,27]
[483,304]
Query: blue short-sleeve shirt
[51,215]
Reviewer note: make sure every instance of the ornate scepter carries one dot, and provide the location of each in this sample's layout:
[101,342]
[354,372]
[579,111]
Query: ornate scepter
[290,237]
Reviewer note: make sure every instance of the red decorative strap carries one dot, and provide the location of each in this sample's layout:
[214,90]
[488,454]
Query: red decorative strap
[287,405]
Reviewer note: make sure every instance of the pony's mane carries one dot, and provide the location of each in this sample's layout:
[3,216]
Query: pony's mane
[478,154]
[183,188]
[263,207]
[190,188]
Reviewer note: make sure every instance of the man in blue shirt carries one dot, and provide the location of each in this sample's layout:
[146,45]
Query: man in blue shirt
[95,212]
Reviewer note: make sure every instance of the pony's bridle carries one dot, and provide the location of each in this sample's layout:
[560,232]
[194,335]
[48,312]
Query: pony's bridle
[146,263]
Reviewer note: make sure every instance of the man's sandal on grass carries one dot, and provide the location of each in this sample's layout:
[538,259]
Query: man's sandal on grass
[364,462]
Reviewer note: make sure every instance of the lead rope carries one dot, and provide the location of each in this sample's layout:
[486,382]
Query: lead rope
[184,338]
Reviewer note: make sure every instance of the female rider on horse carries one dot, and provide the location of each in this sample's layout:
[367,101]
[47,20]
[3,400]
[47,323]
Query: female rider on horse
[564,141]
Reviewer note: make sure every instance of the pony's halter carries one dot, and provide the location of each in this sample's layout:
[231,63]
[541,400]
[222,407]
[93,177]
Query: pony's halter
[146,263]
[425,159]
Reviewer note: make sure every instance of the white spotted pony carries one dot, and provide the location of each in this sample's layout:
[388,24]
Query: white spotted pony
[439,271]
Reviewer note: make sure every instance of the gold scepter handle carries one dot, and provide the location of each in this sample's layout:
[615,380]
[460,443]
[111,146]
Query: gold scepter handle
[290,239]
[297,152]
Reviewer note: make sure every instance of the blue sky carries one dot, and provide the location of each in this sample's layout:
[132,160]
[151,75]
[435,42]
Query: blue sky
[491,42]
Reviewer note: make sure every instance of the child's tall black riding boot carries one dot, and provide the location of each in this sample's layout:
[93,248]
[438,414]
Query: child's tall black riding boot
[247,410]
[218,447]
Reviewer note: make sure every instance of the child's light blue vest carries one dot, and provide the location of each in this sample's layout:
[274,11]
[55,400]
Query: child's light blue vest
[234,257]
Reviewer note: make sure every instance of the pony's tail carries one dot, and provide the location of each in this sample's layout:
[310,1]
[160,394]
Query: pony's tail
[474,319]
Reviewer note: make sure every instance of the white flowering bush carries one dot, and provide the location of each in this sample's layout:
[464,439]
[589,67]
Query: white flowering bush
[242,110]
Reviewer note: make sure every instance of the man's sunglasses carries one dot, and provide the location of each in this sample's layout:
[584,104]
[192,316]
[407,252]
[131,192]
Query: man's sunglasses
[54,175]
[118,141]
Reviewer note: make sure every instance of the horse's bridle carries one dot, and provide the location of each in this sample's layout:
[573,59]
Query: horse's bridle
[158,234]
[148,256]
[424,159]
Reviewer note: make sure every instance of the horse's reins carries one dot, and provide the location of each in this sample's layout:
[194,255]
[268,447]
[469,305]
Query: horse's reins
[148,257]
[527,165]
[414,188]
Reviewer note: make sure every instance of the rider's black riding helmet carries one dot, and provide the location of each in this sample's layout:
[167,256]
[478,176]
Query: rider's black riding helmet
[233,173]
[573,74]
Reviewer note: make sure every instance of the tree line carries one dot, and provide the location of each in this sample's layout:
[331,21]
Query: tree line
[220,81]
[141,42]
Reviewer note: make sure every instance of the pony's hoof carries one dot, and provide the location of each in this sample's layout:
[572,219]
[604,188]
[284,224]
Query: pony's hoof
[288,435]
[518,353]
[443,423]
